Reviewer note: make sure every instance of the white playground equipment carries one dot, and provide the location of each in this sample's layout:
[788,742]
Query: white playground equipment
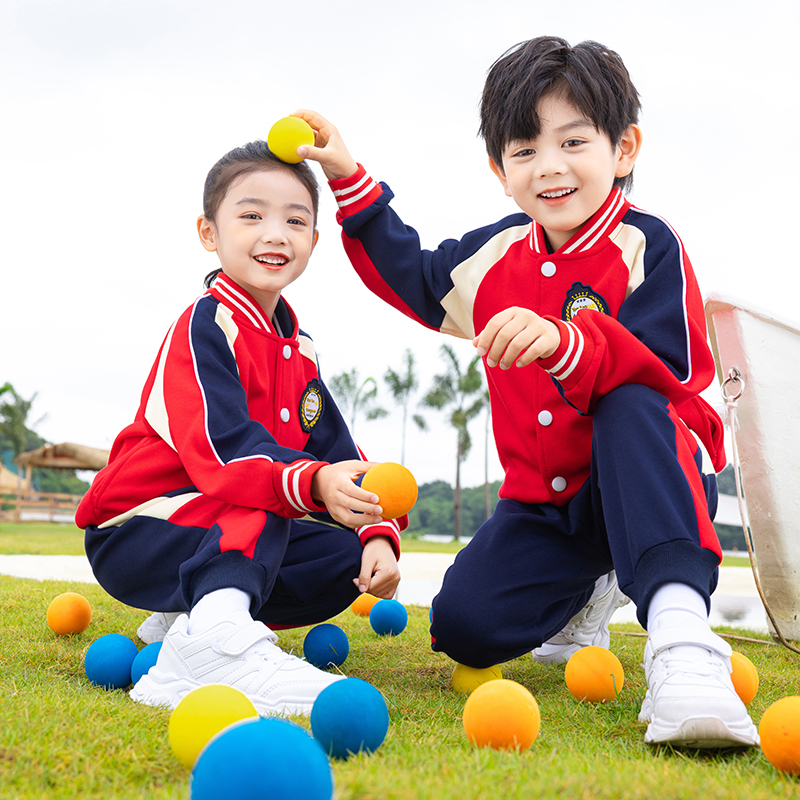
[757,360]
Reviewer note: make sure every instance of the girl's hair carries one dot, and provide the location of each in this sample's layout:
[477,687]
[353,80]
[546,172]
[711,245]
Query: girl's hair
[242,161]
[589,75]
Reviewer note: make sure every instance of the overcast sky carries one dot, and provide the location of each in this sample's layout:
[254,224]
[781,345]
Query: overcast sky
[114,110]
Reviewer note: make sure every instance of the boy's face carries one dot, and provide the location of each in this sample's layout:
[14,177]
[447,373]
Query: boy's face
[263,233]
[561,178]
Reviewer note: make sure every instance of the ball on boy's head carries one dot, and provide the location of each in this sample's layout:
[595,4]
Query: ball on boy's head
[348,717]
[145,659]
[69,613]
[503,715]
[108,661]
[362,605]
[326,646]
[201,715]
[259,758]
[395,486]
[779,731]
[467,679]
[286,135]
[388,617]
[744,677]
[594,674]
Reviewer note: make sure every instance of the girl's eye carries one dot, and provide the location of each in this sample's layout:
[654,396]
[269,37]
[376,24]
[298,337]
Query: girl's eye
[250,216]
[296,221]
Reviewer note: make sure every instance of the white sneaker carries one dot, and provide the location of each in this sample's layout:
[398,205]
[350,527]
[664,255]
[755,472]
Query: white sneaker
[240,655]
[690,699]
[588,627]
[155,627]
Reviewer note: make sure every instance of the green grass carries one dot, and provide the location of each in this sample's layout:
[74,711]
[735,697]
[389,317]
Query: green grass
[62,737]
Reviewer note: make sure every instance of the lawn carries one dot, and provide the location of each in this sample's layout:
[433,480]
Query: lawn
[62,737]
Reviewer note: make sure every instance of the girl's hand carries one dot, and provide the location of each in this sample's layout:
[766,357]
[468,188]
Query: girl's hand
[517,335]
[379,571]
[329,150]
[333,487]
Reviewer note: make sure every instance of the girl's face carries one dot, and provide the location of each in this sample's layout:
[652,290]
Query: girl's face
[263,233]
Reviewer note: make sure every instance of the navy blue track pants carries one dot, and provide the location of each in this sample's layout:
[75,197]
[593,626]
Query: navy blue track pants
[299,572]
[645,512]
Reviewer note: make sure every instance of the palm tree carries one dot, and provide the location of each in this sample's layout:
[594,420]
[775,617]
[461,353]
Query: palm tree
[402,385]
[13,418]
[354,395]
[452,391]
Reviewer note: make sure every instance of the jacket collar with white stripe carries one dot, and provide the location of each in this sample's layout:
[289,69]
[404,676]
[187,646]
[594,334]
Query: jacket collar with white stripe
[244,306]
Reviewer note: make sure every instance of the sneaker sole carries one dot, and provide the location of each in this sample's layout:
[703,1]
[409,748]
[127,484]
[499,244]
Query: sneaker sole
[703,733]
[167,691]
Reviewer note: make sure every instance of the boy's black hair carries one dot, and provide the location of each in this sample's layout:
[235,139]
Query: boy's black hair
[242,161]
[589,75]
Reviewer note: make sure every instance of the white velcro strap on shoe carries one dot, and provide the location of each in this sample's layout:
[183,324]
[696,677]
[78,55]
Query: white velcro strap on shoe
[693,637]
[244,638]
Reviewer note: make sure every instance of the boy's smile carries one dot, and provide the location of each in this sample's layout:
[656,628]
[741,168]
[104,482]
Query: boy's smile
[564,175]
[263,233]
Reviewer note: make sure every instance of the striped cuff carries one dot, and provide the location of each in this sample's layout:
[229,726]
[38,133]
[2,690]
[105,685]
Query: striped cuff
[389,528]
[355,193]
[568,355]
[292,484]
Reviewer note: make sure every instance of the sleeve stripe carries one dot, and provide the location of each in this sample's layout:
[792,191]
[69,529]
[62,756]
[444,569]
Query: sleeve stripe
[350,199]
[573,355]
[293,494]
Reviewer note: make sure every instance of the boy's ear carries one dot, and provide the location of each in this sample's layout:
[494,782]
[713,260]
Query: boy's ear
[628,149]
[498,170]
[207,234]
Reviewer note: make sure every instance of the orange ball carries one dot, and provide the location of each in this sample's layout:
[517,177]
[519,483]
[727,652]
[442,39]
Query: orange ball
[594,674]
[779,730]
[503,715]
[744,677]
[362,605]
[69,613]
[395,487]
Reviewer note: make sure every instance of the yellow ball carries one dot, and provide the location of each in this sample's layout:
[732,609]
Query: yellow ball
[69,613]
[286,135]
[201,715]
[362,605]
[744,677]
[503,715]
[779,730]
[594,674]
[395,487]
[467,679]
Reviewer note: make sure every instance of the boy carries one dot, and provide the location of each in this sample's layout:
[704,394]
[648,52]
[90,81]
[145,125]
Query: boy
[197,516]
[588,317]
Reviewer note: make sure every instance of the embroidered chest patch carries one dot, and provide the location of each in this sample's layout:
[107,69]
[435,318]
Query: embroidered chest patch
[580,297]
[311,405]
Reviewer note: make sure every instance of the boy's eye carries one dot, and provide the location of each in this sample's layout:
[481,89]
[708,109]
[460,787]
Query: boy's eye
[527,151]
[250,216]
[573,142]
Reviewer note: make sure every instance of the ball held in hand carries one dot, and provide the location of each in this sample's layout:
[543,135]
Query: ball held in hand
[395,486]
[286,135]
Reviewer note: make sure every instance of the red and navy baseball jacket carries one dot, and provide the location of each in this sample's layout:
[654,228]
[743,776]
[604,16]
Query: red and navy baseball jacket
[622,292]
[233,409]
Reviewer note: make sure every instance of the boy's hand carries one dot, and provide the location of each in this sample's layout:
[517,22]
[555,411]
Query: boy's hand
[517,335]
[379,571]
[333,487]
[329,150]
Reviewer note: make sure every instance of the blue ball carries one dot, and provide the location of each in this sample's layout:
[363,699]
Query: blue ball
[349,716]
[262,757]
[326,646]
[108,661]
[388,617]
[145,659]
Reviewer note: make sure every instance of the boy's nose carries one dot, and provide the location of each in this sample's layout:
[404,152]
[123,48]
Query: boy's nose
[550,162]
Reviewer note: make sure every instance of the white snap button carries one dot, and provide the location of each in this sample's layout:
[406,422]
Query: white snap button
[545,417]
[559,484]
[284,415]
[548,269]
[287,351]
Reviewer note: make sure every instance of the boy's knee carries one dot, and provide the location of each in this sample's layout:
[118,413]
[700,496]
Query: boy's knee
[629,399]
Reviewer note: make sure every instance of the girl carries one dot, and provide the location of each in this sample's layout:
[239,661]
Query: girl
[237,438]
